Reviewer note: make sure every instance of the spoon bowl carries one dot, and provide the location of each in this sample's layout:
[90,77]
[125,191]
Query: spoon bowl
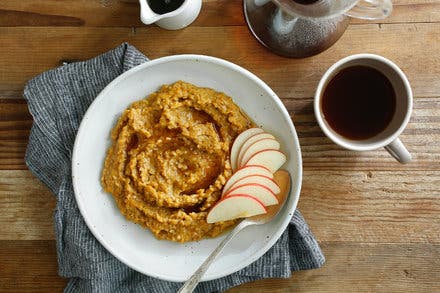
[282,178]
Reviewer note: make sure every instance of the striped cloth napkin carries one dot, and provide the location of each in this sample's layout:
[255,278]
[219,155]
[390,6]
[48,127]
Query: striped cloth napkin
[57,100]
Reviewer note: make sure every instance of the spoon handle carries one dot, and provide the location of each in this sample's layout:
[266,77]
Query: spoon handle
[195,278]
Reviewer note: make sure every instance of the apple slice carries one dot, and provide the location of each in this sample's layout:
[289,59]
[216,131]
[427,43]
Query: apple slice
[235,206]
[238,142]
[261,192]
[246,171]
[250,141]
[271,159]
[259,145]
[257,179]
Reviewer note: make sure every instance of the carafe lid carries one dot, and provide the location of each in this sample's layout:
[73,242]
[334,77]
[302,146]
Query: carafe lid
[317,8]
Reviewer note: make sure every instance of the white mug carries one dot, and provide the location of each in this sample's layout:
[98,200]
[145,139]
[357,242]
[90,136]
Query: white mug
[388,138]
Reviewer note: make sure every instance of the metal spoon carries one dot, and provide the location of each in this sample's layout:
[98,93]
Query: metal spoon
[282,178]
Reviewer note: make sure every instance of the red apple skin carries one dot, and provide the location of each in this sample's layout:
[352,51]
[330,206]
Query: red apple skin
[259,166]
[238,186]
[256,200]
[256,154]
[249,141]
[245,195]
[231,191]
[238,142]
[241,159]
[238,182]
[233,177]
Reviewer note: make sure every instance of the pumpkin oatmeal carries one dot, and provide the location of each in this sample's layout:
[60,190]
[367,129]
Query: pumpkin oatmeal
[169,160]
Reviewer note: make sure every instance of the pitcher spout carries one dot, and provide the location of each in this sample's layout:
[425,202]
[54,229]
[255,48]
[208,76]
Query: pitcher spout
[147,15]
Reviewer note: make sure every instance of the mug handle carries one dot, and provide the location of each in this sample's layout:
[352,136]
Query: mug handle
[371,9]
[398,151]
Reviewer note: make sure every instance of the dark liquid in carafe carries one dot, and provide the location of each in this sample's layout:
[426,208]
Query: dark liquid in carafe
[164,6]
[359,102]
[305,2]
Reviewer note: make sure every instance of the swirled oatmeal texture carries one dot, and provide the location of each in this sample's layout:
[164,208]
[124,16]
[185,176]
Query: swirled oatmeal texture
[169,160]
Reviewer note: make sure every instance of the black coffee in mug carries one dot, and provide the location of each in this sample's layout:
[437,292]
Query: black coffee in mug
[359,102]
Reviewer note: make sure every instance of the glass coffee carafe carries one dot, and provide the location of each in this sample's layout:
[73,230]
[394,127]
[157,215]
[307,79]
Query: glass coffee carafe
[302,28]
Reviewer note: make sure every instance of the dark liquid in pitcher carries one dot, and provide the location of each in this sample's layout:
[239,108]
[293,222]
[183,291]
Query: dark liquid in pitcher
[164,6]
[305,2]
[359,102]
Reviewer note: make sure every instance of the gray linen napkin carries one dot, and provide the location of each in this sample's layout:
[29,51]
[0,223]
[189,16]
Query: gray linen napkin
[57,100]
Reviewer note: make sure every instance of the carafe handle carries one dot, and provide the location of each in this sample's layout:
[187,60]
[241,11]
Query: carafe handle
[371,9]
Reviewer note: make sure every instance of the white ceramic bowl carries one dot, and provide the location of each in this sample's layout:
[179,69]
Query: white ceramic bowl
[136,246]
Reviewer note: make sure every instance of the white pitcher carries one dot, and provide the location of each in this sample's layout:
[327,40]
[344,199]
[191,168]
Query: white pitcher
[179,18]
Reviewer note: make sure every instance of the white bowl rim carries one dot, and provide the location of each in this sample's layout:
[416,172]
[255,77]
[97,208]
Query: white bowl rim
[295,184]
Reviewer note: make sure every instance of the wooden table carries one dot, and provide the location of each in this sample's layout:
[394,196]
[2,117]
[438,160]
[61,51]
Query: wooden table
[378,222]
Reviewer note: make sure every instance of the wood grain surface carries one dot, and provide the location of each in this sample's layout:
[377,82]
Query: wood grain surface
[377,221]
